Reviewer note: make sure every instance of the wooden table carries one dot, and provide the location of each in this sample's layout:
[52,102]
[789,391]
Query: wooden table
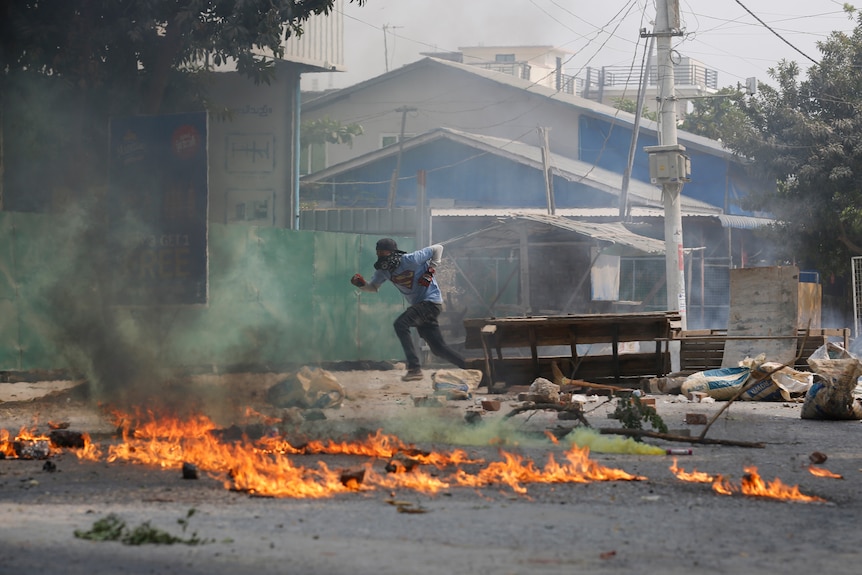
[534,332]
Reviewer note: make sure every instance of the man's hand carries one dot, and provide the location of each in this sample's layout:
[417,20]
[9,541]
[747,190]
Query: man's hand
[426,278]
[358,280]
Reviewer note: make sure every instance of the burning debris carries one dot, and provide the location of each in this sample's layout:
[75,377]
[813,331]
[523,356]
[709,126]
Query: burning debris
[267,462]
[751,485]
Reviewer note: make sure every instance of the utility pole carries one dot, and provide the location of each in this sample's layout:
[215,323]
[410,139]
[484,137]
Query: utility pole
[385,44]
[668,164]
[627,175]
[546,168]
[385,47]
[393,185]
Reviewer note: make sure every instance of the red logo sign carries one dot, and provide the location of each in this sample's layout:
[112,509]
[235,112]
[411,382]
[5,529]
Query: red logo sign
[185,142]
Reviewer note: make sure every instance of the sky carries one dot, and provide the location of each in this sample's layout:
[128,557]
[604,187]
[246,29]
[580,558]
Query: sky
[725,35]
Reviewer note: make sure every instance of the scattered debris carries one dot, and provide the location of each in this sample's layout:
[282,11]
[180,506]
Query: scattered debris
[445,381]
[836,373]
[545,391]
[473,417]
[695,418]
[491,405]
[401,463]
[352,477]
[406,506]
[190,470]
[112,528]
[308,388]
[62,437]
[632,412]
[817,457]
[425,401]
[32,448]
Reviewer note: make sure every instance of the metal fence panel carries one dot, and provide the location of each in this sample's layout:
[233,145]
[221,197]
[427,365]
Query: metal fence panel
[276,298]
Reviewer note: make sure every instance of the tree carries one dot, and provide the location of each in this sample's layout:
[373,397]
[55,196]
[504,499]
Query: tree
[70,64]
[137,43]
[326,130]
[718,117]
[806,136]
[627,105]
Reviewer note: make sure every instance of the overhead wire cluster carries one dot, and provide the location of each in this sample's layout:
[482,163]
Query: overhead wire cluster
[594,44]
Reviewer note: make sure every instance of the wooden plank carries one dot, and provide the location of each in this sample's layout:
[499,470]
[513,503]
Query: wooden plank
[702,350]
[633,367]
[488,333]
[556,330]
[763,303]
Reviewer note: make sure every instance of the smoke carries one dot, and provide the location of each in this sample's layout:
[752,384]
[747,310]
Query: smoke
[118,350]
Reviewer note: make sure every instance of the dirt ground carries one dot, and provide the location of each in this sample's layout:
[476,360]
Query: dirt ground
[656,524]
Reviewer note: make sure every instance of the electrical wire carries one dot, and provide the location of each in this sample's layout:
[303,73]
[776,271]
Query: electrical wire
[779,36]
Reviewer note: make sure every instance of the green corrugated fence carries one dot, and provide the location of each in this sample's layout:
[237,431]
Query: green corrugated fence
[276,298]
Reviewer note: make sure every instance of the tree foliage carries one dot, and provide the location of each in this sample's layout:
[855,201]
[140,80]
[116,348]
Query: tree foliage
[66,66]
[806,136]
[136,43]
[326,130]
[719,117]
[628,105]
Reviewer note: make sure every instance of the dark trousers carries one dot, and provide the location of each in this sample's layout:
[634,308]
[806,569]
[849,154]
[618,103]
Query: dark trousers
[423,316]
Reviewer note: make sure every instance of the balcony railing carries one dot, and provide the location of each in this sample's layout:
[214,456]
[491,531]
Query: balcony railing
[624,77]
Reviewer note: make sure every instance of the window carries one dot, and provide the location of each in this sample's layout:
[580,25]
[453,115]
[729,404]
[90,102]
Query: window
[389,139]
[504,58]
[312,158]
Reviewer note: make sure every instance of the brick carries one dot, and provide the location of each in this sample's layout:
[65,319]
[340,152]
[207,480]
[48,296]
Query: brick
[490,405]
[695,418]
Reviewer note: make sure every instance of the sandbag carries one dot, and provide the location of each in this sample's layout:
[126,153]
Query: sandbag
[308,388]
[464,380]
[721,384]
[791,382]
[547,389]
[836,374]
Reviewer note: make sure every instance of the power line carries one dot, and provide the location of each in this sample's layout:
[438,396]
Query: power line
[779,36]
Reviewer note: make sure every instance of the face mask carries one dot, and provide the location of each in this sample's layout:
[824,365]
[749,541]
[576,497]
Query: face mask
[390,262]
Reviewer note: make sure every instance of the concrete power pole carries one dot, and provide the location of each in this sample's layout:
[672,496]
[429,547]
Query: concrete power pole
[669,166]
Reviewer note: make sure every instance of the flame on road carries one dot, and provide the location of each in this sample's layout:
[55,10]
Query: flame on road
[693,476]
[265,466]
[821,472]
[753,485]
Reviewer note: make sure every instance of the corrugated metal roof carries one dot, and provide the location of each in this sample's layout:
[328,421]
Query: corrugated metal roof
[727,221]
[611,235]
[526,154]
[589,107]
[743,222]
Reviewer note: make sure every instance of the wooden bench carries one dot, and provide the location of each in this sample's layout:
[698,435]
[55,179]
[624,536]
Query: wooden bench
[704,349]
[512,351]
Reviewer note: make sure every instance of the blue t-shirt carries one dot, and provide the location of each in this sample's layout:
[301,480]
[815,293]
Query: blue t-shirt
[406,277]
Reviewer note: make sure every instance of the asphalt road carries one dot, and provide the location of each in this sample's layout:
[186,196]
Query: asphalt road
[657,524]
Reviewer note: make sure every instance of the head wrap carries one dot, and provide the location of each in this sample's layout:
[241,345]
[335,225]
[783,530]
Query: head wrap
[391,261]
[387,244]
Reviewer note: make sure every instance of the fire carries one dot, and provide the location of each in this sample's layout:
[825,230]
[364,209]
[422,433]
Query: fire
[27,444]
[693,476]
[514,470]
[820,472]
[265,466]
[753,485]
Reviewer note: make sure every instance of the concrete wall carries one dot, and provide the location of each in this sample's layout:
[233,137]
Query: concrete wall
[251,149]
